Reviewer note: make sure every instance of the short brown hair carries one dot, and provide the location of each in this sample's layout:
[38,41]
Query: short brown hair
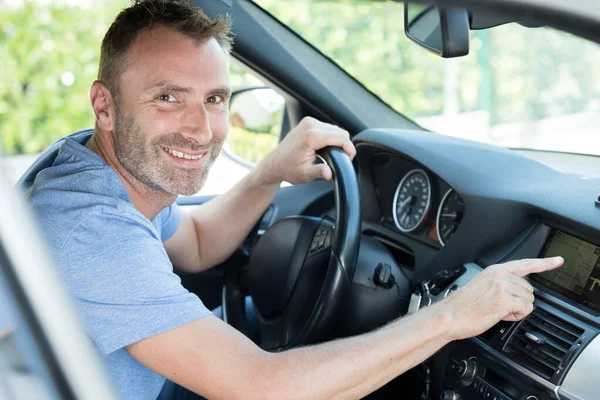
[178,15]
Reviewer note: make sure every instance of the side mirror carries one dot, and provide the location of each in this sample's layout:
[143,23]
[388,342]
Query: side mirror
[445,31]
[256,117]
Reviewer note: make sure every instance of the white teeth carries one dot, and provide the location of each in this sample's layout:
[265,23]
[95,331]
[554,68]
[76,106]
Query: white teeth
[183,155]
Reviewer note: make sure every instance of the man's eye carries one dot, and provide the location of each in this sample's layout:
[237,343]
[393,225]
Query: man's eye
[215,99]
[169,98]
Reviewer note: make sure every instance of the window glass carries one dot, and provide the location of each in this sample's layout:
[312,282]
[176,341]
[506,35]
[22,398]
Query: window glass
[519,87]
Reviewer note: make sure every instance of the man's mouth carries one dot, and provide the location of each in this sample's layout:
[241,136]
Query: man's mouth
[183,155]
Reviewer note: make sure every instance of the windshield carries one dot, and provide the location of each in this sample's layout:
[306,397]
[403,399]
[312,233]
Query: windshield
[518,87]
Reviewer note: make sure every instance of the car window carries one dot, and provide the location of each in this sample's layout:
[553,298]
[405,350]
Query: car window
[49,54]
[519,87]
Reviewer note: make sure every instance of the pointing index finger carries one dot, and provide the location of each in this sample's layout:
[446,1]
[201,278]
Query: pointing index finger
[536,265]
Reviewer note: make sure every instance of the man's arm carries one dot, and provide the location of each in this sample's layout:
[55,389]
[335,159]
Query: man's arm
[214,360]
[210,234]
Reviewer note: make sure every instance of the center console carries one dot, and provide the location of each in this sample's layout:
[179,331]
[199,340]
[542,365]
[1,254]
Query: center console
[552,354]
[476,372]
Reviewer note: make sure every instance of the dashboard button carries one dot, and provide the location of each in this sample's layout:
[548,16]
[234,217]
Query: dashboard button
[450,395]
[482,389]
[491,394]
[453,365]
[467,371]
[476,384]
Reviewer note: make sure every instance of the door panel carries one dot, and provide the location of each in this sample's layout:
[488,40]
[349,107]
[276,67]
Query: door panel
[307,199]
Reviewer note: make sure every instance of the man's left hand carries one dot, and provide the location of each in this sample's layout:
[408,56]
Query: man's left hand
[294,159]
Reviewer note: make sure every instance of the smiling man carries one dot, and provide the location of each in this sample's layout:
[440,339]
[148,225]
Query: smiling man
[106,201]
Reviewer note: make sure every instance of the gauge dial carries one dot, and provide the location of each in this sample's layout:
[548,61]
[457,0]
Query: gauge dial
[412,200]
[449,216]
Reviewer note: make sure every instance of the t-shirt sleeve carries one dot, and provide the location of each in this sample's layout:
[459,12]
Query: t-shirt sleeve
[170,220]
[122,279]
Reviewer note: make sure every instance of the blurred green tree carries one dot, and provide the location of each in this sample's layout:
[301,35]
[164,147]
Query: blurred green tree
[49,57]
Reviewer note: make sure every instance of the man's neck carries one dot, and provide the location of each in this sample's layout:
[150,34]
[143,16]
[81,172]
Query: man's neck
[147,200]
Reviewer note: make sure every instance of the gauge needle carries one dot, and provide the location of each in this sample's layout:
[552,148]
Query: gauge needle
[450,215]
[405,202]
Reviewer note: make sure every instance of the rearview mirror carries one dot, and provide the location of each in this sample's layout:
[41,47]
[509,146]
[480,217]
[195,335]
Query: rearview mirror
[445,32]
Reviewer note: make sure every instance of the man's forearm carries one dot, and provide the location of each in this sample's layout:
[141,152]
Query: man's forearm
[351,368]
[223,223]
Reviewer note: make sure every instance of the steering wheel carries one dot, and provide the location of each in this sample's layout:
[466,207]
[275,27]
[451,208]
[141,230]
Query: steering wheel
[301,269]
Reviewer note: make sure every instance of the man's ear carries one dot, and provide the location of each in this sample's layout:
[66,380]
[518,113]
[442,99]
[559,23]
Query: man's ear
[103,105]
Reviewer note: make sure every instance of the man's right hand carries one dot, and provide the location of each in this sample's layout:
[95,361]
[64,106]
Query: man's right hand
[499,293]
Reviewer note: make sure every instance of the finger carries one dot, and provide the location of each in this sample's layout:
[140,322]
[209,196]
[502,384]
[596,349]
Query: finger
[530,266]
[316,171]
[518,281]
[520,309]
[332,137]
[518,291]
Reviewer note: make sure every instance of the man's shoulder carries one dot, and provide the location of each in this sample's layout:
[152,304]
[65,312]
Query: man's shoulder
[48,157]
[68,167]
[72,190]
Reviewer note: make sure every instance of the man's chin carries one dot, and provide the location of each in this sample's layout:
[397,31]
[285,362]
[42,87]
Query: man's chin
[183,182]
[188,189]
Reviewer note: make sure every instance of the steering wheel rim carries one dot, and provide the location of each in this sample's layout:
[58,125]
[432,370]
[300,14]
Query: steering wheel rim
[281,332]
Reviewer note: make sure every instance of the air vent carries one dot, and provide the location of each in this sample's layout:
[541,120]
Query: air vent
[543,343]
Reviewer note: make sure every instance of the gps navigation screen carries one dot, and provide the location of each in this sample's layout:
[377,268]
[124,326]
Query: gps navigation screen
[579,277]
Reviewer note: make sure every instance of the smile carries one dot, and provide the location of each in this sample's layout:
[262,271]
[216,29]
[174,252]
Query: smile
[186,156]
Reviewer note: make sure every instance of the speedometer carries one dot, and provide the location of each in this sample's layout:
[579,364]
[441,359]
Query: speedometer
[412,200]
[449,216]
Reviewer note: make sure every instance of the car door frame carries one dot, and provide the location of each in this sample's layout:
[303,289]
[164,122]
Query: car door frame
[44,308]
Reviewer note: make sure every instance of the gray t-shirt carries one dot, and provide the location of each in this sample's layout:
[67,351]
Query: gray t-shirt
[111,257]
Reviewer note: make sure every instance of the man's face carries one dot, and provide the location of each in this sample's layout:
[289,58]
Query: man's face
[172,110]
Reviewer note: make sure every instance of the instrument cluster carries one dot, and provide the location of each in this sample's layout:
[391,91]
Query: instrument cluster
[419,203]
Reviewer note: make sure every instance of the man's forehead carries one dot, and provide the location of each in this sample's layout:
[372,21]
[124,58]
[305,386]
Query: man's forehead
[164,57]
[163,38]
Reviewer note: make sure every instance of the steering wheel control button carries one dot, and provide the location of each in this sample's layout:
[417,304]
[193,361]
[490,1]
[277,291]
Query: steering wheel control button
[314,245]
[321,240]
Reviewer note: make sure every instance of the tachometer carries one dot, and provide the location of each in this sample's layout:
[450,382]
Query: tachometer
[412,200]
[450,214]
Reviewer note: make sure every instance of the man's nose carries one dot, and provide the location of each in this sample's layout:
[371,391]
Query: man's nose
[196,124]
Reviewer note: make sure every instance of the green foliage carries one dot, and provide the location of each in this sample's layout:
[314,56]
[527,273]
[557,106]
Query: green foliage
[513,72]
[49,58]
[251,146]
[49,52]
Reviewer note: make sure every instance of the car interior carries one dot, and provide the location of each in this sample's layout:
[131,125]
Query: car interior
[417,214]
[425,214]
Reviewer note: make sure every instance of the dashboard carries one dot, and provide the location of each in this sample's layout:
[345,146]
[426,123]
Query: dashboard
[439,203]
